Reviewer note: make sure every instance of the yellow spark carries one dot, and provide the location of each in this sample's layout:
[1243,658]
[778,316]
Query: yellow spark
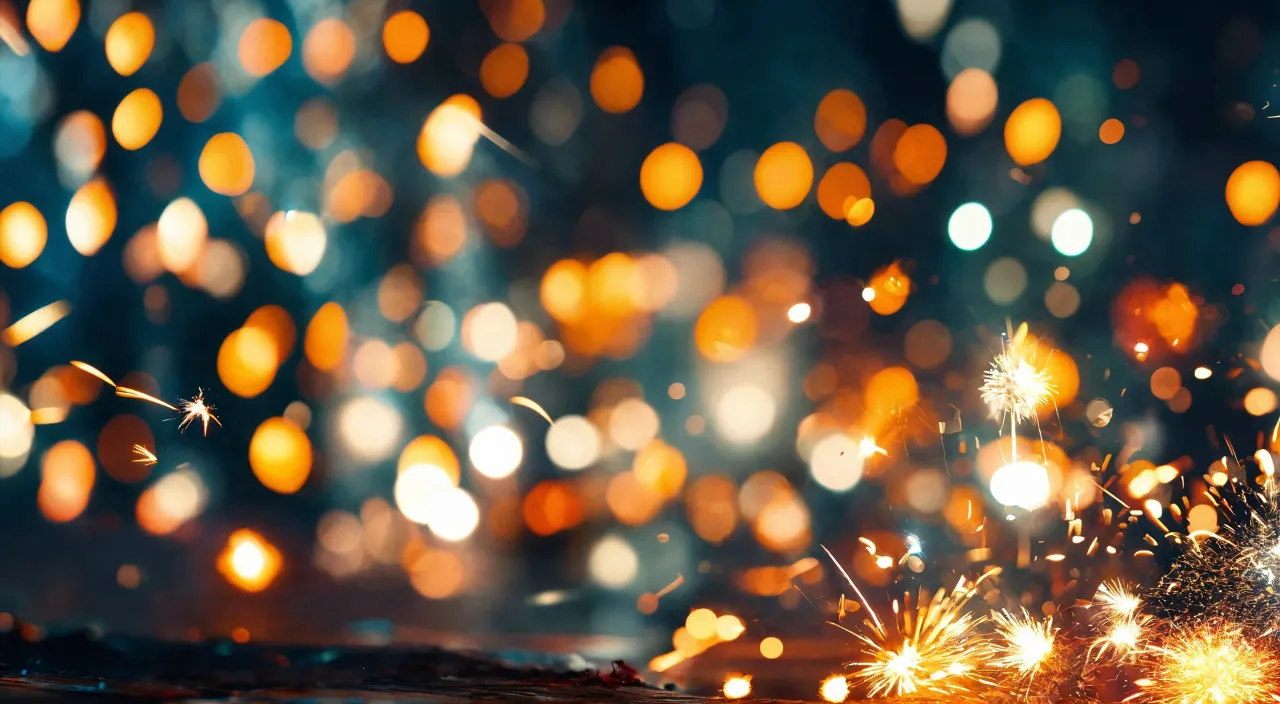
[1117,599]
[533,406]
[1121,637]
[868,447]
[1014,387]
[34,323]
[197,408]
[1027,643]
[1211,665]
[126,392]
[92,370]
[144,456]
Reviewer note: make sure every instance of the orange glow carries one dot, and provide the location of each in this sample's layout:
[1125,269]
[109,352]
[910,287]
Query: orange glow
[325,343]
[449,398]
[552,506]
[861,211]
[1061,369]
[66,480]
[429,449]
[632,502]
[1253,192]
[91,217]
[52,22]
[564,286]
[670,176]
[278,325]
[198,93]
[504,70]
[129,42]
[315,124]
[514,20]
[1032,131]
[440,232]
[841,188]
[137,119]
[405,36]
[783,175]
[249,562]
[890,287]
[726,330]
[264,46]
[115,448]
[841,120]
[617,83]
[226,164]
[971,101]
[23,233]
[327,50]
[891,390]
[449,136]
[503,209]
[711,505]
[247,362]
[400,293]
[920,154]
[661,468]
[609,285]
[295,241]
[1111,131]
[280,455]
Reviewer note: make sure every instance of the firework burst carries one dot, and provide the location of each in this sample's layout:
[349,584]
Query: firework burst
[197,408]
[1212,664]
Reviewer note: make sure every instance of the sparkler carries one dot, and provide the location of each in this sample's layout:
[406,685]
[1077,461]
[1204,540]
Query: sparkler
[197,408]
[1027,642]
[1014,389]
[1212,665]
[144,456]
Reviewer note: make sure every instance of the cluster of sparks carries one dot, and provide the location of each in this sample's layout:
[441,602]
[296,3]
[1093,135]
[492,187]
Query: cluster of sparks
[192,409]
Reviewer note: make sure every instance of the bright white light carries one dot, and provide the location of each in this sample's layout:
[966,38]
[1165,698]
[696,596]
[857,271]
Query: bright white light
[836,462]
[369,428]
[613,562]
[969,227]
[454,514]
[1072,232]
[496,451]
[1022,484]
[633,424]
[417,488]
[799,313]
[573,443]
[744,414]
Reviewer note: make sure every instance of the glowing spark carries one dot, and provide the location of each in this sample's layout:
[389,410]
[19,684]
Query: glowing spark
[197,408]
[1214,665]
[1028,643]
[144,456]
[1015,388]
[34,323]
[856,590]
[868,447]
[92,370]
[1121,637]
[834,689]
[1117,599]
[126,392]
[913,545]
[737,687]
[533,406]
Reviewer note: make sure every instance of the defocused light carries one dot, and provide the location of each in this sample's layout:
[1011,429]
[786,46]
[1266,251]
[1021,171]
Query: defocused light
[699,116]
[799,312]
[91,217]
[249,562]
[1253,192]
[841,189]
[971,101]
[745,414]
[496,451]
[573,443]
[264,46]
[1005,280]
[405,36]
[129,41]
[971,43]
[660,468]
[325,342]
[868,294]
[435,326]
[454,514]
[489,331]
[613,562]
[783,175]
[247,361]
[504,69]
[969,227]
[1032,131]
[449,136]
[23,233]
[295,241]
[1022,484]
[922,19]
[369,428]
[280,455]
[16,434]
[1111,131]
[173,500]
[198,93]
[920,154]
[417,488]
[771,648]
[729,627]
[726,330]
[514,20]
[555,112]
[80,143]
[52,22]
[841,120]
[181,234]
[617,83]
[670,176]
[632,424]
[1072,232]
[836,462]
[1260,401]
[226,164]
[66,480]
[327,50]
[834,689]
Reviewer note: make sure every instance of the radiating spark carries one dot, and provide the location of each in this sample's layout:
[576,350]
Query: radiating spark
[144,456]
[34,323]
[1212,665]
[126,392]
[1015,388]
[1027,643]
[913,545]
[868,447]
[1117,599]
[197,408]
[1120,636]
[533,406]
[92,370]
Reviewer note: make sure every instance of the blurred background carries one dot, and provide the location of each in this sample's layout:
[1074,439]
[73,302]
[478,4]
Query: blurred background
[751,258]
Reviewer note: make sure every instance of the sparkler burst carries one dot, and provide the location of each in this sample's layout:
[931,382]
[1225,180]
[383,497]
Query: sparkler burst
[1026,642]
[1015,388]
[1212,665]
[197,408]
[144,456]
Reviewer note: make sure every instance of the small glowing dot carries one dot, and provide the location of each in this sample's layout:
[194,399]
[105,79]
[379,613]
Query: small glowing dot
[868,294]
[799,312]
[1203,372]
[1061,273]
[771,648]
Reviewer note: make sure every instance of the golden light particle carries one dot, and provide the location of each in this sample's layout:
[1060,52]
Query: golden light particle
[670,176]
[137,119]
[23,233]
[405,36]
[264,46]
[129,42]
[617,83]
[783,175]
[226,164]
